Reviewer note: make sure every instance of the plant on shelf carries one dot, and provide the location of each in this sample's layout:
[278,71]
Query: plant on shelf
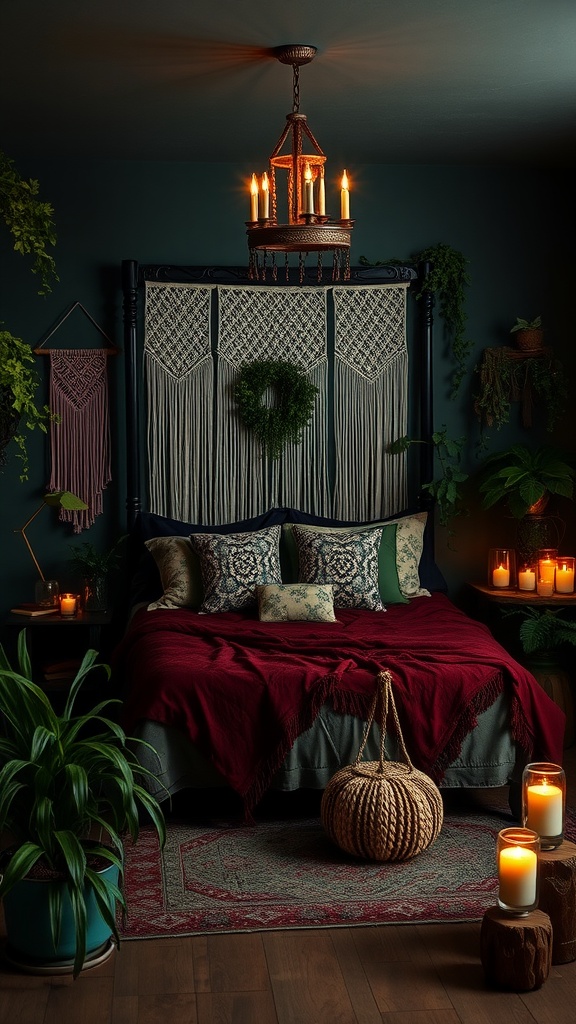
[506,376]
[523,478]
[94,568]
[529,334]
[70,790]
[446,489]
[30,222]
[447,280]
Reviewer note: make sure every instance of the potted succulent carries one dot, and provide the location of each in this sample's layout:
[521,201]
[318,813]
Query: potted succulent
[70,790]
[30,221]
[529,334]
[93,569]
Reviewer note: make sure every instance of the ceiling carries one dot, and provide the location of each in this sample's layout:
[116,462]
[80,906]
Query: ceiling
[433,81]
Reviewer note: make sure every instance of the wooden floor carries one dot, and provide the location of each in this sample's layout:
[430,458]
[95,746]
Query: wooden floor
[407,974]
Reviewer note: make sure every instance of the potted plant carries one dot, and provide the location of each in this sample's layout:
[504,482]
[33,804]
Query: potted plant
[30,221]
[532,377]
[69,792]
[524,478]
[94,568]
[529,334]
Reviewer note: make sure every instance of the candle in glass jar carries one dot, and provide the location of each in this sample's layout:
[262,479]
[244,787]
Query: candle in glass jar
[546,568]
[544,809]
[68,604]
[545,588]
[501,577]
[526,579]
[517,876]
[564,577]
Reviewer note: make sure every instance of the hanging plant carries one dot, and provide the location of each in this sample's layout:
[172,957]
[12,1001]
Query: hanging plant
[447,280]
[292,406]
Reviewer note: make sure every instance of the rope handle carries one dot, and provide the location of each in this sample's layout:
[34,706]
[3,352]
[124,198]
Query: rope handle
[384,696]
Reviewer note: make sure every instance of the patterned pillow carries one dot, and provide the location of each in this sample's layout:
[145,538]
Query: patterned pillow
[349,561]
[233,564]
[289,602]
[179,572]
[409,545]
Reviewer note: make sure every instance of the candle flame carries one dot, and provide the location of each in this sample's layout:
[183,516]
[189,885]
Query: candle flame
[345,180]
[254,186]
[308,172]
[264,182]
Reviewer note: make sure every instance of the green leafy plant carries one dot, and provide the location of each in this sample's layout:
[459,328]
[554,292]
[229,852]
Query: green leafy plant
[30,222]
[446,489]
[65,779]
[283,421]
[504,378]
[527,325]
[87,561]
[544,630]
[521,477]
[447,280]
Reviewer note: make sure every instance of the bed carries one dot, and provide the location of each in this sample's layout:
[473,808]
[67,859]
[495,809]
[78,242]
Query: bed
[258,625]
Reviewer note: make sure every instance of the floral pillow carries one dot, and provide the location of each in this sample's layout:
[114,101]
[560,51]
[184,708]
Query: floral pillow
[234,564]
[349,561]
[290,602]
[409,546]
[179,572]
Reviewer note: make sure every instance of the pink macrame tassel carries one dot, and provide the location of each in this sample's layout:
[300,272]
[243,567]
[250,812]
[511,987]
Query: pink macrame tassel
[80,443]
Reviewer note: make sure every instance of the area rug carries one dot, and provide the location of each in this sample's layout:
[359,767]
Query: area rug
[287,874]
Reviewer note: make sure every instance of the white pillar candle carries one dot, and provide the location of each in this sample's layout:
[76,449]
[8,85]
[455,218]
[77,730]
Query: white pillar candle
[308,190]
[264,198]
[501,577]
[517,876]
[526,580]
[68,605]
[254,198]
[344,198]
[544,809]
[321,196]
[564,578]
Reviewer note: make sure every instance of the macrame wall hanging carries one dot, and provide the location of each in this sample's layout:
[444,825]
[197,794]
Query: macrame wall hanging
[370,399]
[80,438]
[206,467]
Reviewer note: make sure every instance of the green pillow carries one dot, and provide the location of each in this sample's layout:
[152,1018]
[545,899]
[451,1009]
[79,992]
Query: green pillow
[388,582]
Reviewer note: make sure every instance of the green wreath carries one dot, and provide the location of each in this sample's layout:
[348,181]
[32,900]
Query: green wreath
[291,411]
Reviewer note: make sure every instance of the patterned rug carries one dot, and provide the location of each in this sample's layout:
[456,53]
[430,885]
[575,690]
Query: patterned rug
[287,874]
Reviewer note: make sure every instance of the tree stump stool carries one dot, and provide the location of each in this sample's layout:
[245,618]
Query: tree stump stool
[558,898]
[516,952]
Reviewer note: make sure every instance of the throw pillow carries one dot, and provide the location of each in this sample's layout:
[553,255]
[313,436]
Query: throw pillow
[290,602]
[179,570]
[349,561]
[233,564]
[409,546]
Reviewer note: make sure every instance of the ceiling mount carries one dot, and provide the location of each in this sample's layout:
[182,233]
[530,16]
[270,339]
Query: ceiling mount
[295,53]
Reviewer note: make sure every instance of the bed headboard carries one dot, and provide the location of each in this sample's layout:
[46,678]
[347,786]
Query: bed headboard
[139,281]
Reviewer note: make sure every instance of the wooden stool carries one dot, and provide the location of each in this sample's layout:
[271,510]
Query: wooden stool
[558,898]
[516,952]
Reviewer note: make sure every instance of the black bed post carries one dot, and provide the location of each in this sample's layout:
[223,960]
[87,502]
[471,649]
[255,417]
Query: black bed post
[130,290]
[427,383]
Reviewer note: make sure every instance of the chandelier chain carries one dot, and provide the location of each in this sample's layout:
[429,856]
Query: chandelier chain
[295,89]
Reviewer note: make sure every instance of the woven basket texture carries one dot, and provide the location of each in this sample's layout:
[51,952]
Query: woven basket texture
[382,810]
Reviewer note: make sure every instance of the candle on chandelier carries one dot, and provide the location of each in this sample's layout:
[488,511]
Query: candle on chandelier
[254,198]
[264,197]
[308,190]
[344,198]
[321,196]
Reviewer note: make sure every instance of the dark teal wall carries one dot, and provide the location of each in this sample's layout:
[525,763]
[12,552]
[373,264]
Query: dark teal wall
[513,224]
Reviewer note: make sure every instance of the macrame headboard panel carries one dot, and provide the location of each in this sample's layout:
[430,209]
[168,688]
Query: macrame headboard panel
[189,331]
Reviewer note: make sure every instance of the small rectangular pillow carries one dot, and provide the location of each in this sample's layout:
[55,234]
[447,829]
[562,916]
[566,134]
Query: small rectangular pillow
[234,564]
[349,561]
[292,602]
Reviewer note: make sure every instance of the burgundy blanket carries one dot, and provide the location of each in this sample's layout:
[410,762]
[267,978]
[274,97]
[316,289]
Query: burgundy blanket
[243,690]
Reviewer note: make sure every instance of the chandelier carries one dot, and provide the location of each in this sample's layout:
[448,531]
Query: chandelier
[306,228]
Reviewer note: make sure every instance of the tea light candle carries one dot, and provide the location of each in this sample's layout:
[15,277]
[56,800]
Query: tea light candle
[544,809]
[517,876]
[501,577]
[565,576]
[527,579]
[68,605]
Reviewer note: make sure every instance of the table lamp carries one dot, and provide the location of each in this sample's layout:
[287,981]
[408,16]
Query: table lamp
[47,590]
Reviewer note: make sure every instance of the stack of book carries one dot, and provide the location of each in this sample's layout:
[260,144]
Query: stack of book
[31,610]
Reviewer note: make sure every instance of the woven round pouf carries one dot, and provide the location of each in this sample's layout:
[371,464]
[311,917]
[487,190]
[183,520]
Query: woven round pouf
[382,810]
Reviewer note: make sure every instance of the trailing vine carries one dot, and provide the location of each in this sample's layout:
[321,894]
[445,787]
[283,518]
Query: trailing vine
[446,490]
[505,378]
[292,407]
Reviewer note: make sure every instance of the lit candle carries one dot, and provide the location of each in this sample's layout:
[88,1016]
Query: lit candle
[544,809]
[264,197]
[68,604]
[308,190]
[546,567]
[526,580]
[545,588]
[254,198]
[517,876]
[321,196]
[564,579]
[501,577]
[344,198]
